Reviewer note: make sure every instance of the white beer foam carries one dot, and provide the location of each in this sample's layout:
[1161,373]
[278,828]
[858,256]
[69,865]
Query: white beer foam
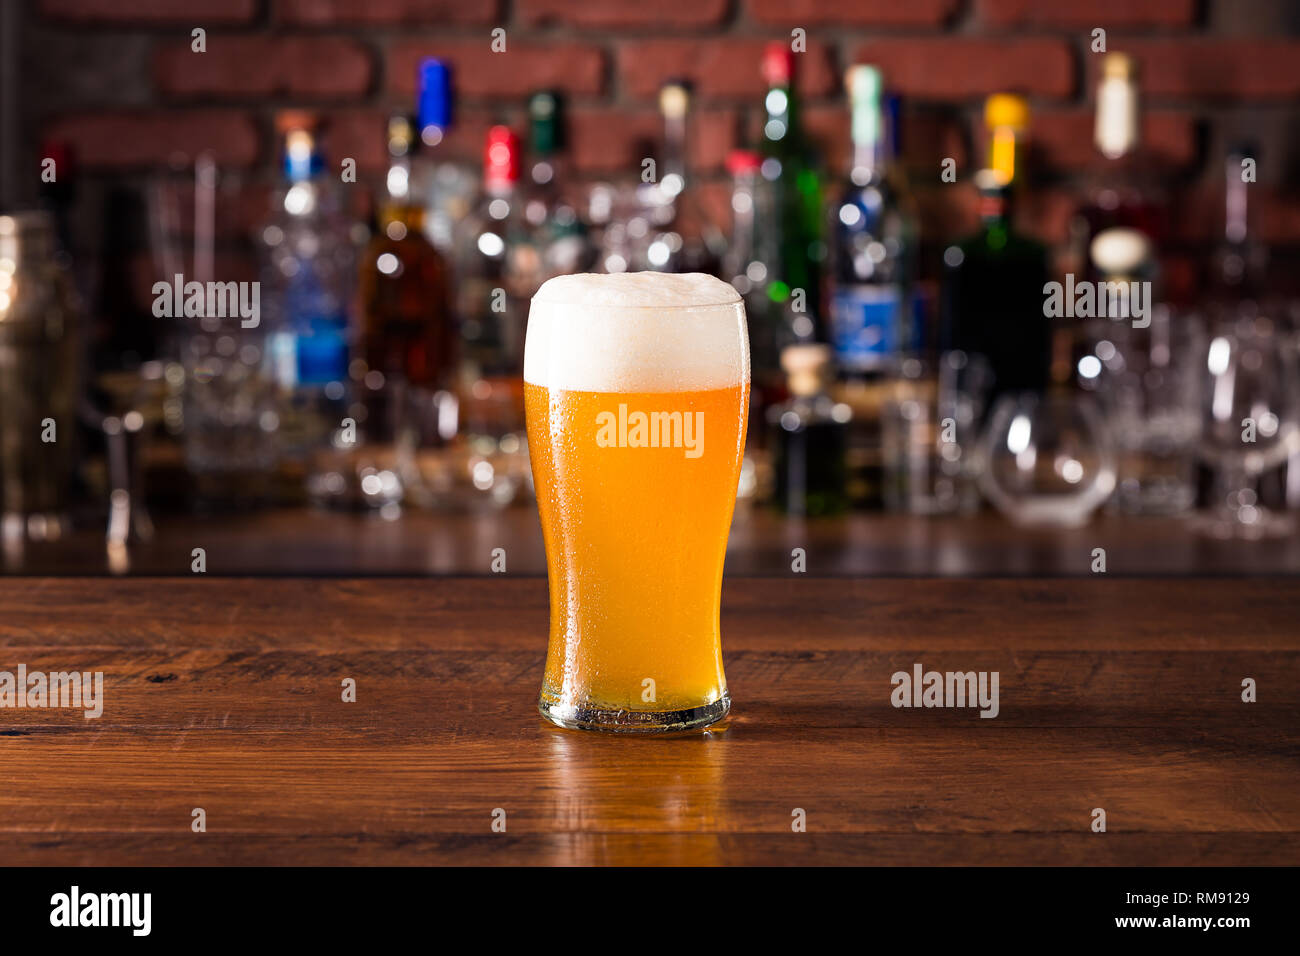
[636,331]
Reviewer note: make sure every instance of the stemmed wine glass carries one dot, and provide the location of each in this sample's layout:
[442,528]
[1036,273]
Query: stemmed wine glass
[1249,413]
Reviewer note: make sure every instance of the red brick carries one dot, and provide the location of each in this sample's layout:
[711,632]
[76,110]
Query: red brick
[958,68]
[1046,213]
[728,68]
[1197,215]
[522,69]
[886,13]
[359,134]
[1278,216]
[193,12]
[661,15]
[927,138]
[239,212]
[354,134]
[261,66]
[612,140]
[1218,69]
[949,211]
[228,265]
[1065,138]
[714,200]
[243,210]
[377,12]
[155,137]
[1097,13]
[828,128]
[1181,276]
[946,211]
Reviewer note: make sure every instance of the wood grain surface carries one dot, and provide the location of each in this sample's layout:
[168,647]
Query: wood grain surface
[312,543]
[225,694]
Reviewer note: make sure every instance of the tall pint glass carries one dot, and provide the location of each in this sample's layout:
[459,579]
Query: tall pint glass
[636,391]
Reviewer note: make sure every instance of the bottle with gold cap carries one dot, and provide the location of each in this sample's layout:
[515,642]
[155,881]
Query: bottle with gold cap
[1006,119]
[993,280]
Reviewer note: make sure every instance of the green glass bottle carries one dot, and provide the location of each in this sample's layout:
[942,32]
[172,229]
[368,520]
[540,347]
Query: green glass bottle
[993,280]
[560,235]
[790,167]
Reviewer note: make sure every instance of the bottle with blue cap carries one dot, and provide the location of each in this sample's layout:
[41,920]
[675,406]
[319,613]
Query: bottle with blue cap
[446,188]
[308,267]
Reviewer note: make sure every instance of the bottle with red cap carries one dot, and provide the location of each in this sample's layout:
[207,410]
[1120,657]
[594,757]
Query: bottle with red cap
[498,265]
[790,166]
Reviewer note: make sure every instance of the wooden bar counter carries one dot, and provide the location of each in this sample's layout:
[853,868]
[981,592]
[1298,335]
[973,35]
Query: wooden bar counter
[225,694]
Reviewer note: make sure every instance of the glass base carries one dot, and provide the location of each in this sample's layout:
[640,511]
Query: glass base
[635,721]
[1249,523]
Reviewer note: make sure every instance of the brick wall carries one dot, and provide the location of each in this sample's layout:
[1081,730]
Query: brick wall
[118,80]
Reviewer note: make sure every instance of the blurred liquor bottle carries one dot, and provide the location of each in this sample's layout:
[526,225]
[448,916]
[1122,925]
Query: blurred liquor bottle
[809,435]
[408,337]
[40,349]
[993,296]
[1123,194]
[872,228]
[446,187]
[559,233]
[1240,259]
[1236,289]
[789,164]
[309,270]
[59,190]
[872,243]
[123,332]
[750,261]
[498,265]
[683,237]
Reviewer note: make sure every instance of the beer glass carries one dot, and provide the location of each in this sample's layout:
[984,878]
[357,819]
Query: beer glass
[636,390]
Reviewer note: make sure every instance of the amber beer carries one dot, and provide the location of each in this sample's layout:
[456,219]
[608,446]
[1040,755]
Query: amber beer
[637,391]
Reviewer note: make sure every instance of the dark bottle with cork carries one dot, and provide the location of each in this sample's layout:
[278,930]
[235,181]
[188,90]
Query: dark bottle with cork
[809,433]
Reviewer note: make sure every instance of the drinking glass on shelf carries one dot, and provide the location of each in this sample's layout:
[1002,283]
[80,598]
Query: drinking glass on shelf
[1147,383]
[466,451]
[1249,423]
[229,419]
[930,424]
[1048,459]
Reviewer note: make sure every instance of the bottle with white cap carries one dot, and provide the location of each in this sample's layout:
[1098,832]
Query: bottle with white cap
[1122,194]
